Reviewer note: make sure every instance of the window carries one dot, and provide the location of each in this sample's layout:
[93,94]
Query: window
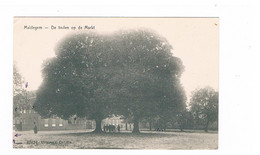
[53,123]
[60,122]
[46,123]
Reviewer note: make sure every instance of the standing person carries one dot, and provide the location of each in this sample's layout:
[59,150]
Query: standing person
[109,128]
[104,128]
[35,129]
[118,128]
[113,128]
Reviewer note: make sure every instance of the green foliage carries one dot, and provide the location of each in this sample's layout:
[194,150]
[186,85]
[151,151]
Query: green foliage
[204,106]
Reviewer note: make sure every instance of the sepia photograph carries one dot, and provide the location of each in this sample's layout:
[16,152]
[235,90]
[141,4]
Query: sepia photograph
[116,83]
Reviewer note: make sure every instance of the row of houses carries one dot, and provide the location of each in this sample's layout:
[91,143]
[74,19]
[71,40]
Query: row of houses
[28,118]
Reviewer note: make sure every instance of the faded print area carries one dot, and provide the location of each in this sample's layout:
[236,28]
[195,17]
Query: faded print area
[115,83]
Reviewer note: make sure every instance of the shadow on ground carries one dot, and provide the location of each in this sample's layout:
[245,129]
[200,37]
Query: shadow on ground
[122,134]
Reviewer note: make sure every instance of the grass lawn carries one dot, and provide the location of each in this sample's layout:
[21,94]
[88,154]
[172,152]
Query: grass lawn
[124,140]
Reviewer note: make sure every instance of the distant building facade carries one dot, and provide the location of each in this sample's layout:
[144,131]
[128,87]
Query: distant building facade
[28,118]
[25,118]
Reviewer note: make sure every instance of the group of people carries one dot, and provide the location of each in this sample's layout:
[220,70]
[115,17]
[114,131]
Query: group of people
[111,128]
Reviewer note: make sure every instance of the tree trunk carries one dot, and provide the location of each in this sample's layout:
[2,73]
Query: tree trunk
[150,126]
[136,126]
[98,126]
[206,127]
[164,128]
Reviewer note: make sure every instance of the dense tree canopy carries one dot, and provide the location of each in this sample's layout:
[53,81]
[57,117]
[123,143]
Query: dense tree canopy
[128,73]
[204,106]
[147,77]
[76,80]
[185,120]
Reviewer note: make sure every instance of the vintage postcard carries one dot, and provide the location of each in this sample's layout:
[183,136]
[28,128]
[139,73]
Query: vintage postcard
[115,83]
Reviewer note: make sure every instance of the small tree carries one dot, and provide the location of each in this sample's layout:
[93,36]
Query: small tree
[204,106]
[20,97]
[185,120]
[17,81]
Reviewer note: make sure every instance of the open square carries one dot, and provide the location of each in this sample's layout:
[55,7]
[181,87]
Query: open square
[84,139]
[115,83]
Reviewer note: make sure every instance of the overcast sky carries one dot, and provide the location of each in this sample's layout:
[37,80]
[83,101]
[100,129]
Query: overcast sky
[195,41]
